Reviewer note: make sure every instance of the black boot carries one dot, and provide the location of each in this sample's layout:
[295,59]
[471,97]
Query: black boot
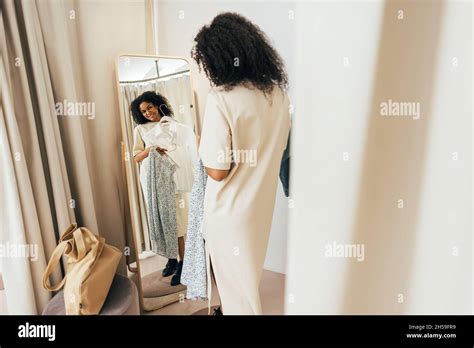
[170,267]
[176,280]
[218,311]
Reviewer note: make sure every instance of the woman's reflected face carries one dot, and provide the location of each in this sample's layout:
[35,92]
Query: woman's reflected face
[150,112]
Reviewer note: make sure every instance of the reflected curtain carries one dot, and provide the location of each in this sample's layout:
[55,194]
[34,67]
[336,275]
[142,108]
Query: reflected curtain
[177,92]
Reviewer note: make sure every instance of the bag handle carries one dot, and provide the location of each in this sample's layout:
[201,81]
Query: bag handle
[80,244]
[53,262]
[65,235]
[56,257]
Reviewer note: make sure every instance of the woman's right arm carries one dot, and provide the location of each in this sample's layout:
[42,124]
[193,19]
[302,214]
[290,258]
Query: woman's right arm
[142,155]
[216,138]
[139,150]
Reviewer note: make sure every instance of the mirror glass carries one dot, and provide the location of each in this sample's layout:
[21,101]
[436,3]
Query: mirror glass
[159,149]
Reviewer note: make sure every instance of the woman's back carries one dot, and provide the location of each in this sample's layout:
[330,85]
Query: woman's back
[258,128]
[247,132]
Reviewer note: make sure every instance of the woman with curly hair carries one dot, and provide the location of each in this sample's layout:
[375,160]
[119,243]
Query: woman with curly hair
[244,134]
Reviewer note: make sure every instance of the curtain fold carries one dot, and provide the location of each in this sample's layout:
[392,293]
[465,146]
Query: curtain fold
[67,77]
[32,211]
[82,42]
[55,167]
[177,92]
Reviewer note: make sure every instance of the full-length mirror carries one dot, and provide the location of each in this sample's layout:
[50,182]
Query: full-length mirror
[159,148]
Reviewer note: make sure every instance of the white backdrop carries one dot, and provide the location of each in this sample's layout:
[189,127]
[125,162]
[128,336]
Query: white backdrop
[352,166]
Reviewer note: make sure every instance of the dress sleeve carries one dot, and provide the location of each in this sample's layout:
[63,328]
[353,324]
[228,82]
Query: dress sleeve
[215,145]
[138,144]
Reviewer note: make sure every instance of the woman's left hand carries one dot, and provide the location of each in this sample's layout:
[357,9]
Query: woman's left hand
[161,150]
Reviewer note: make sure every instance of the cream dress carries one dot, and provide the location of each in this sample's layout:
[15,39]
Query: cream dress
[246,132]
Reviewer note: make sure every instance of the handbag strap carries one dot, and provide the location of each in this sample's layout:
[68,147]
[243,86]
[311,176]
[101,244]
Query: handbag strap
[67,232]
[56,257]
[80,244]
[72,240]
[53,262]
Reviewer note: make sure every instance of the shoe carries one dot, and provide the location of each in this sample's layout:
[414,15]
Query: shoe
[218,311]
[176,280]
[170,267]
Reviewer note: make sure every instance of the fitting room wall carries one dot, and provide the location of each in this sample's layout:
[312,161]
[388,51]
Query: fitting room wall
[103,41]
[177,24]
[417,258]
[83,70]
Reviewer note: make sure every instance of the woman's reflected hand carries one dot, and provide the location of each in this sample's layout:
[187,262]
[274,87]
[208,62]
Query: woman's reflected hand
[161,151]
[145,153]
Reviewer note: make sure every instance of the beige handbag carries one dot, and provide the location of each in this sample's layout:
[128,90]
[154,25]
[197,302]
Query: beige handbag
[90,269]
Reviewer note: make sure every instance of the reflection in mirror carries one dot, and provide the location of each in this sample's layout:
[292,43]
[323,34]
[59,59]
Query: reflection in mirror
[158,135]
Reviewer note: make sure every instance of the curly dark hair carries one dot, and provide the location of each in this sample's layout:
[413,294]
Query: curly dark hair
[158,100]
[234,51]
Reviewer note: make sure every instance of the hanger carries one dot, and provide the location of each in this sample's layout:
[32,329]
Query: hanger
[166,119]
[168,126]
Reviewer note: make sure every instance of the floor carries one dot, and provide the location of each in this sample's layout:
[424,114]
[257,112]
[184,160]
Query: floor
[271,293]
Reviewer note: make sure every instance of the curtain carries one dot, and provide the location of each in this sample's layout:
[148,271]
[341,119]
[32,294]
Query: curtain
[177,90]
[57,166]
[34,188]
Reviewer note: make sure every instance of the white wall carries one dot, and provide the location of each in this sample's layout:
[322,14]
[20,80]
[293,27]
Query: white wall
[410,263]
[100,40]
[441,282]
[178,24]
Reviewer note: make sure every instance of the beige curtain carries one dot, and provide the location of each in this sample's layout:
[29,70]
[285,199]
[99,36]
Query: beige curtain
[66,168]
[177,91]
[34,188]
